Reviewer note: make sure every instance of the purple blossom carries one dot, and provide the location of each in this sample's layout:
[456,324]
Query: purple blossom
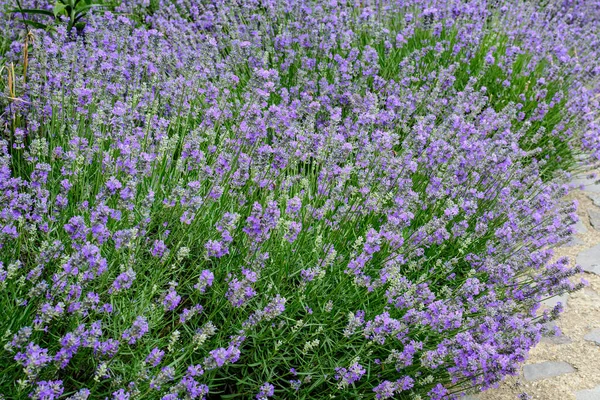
[47,390]
[194,389]
[123,281]
[221,356]
[109,347]
[171,299]
[159,248]
[438,392]
[138,329]
[76,228]
[165,375]
[205,280]
[113,185]
[155,357]
[121,394]
[188,313]
[33,359]
[216,248]
[241,290]
[293,231]
[347,376]
[266,390]
[387,389]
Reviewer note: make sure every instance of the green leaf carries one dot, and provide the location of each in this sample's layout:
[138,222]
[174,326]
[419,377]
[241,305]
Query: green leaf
[35,24]
[59,8]
[32,11]
[82,9]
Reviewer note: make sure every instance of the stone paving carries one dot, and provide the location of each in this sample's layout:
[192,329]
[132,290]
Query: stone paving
[567,366]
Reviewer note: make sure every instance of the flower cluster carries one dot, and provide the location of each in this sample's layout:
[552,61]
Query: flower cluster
[306,198]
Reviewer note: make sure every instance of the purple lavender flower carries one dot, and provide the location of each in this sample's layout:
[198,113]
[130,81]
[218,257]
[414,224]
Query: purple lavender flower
[205,280]
[77,228]
[123,281]
[295,384]
[241,290]
[387,389]
[171,299]
[33,359]
[438,392]
[347,376]
[266,390]
[188,313]
[293,206]
[47,390]
[113,185]
[70,344]
[165,375]
[193,389]
[159,248]
[275,308]
[121,394]
[221,356]
[155,357]
[293,231]
[109,347]
[138,329]
[216,249]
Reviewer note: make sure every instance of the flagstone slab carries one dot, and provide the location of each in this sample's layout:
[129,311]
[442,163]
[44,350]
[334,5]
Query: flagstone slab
[590,260]
[595,198]
[594,336]
[574,241]
[556,339]
[589,394]
[594,216]
[580,228]
[550,336]
[587,185]
[546,369]
[553,301]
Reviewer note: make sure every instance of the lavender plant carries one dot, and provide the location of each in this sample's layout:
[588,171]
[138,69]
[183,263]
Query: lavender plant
[297,199]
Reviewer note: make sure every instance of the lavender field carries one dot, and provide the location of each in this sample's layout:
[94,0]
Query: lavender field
[299,199]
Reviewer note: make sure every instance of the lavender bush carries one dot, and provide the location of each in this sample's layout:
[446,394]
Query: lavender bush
[301,199]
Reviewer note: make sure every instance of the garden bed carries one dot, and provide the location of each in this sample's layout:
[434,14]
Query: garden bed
[293,200]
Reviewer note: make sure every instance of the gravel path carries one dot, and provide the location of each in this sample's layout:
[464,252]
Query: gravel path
[567,367]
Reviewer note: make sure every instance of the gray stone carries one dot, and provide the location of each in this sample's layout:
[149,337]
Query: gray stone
[574,241]
[580,228]
[546,369]
[553,301]
[550,336]
[595,197]
[590,260]
[589,185]
[590,394]
[549,327]
[561,339]
[469,397]
[594,218]
[593,336]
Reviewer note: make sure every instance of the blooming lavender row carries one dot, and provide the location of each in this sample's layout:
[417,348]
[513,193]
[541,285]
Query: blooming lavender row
[299,199]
